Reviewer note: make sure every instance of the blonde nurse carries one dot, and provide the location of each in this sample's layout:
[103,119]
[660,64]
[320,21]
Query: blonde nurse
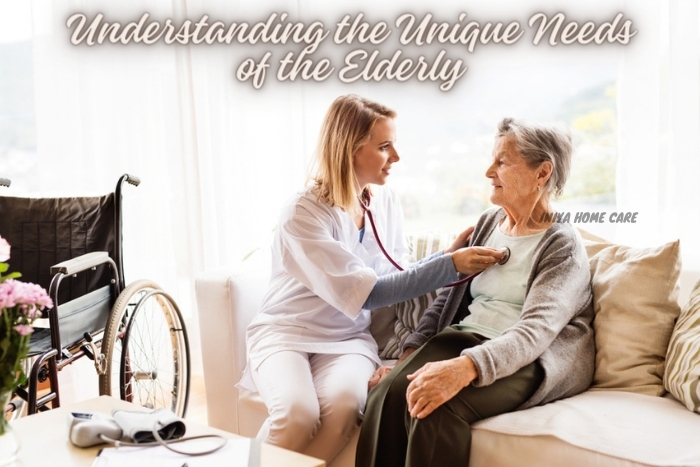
[310,353]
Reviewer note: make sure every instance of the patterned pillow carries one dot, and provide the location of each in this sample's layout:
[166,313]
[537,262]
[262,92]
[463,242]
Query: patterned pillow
[682,376]
[408,313]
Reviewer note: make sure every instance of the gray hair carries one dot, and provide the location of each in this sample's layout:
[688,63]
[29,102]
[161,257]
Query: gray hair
[539,143]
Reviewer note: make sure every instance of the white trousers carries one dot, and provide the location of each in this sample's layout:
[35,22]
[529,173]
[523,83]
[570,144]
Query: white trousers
[314,401]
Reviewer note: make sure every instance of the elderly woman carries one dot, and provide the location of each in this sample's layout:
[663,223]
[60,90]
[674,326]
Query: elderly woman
[517,336]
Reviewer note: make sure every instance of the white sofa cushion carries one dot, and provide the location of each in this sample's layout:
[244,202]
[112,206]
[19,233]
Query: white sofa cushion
[644,429]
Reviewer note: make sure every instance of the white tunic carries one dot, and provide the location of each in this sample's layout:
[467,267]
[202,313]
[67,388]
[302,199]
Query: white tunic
[322,275]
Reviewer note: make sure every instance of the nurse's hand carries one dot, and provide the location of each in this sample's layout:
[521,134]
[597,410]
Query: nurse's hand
[378,376]
[382,371]
[475,258]
[437,382]
[460,242]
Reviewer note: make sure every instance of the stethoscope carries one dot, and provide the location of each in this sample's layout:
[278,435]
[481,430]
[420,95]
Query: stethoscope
[364,203]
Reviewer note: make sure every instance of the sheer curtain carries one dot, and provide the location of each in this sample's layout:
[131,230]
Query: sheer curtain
[107,110]
[103,111]
[254,147]
[659,127]
[216,159]
[250,144]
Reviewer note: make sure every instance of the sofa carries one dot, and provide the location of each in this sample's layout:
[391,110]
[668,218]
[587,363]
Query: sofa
[643,408]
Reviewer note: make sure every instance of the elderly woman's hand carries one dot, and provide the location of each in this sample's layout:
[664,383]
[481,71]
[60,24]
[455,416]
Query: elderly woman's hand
[475,259]
[461,241]
[437,382]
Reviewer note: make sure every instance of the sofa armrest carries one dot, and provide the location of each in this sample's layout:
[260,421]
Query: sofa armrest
[227,300]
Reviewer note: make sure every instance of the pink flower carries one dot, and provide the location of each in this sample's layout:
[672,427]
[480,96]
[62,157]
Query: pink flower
[4,250]
[23,329]
[31,297]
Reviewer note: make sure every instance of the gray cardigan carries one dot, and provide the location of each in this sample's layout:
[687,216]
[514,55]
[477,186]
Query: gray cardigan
[554,326]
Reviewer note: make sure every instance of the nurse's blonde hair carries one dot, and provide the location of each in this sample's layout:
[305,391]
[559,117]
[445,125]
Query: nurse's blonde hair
[347,126]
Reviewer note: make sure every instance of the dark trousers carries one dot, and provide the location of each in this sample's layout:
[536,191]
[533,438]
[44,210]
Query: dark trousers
[390,437]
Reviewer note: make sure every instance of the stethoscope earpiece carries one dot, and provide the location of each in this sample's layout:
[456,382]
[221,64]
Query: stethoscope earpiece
[506,255]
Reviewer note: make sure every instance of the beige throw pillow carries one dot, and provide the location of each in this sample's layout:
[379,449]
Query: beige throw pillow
[682,376]
[635,298]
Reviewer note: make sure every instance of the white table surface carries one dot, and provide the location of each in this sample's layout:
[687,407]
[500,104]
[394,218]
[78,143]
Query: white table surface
[44,438]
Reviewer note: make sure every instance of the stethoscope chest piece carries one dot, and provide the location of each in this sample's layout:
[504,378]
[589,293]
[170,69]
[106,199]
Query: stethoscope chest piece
[506,255]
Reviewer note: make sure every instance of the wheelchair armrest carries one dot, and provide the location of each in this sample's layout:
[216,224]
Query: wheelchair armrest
[81,263]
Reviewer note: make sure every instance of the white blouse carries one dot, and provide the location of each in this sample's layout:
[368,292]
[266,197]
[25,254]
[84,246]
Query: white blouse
[322,275]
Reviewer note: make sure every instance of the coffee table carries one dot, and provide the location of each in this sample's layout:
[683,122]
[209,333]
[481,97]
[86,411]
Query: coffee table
[44,438]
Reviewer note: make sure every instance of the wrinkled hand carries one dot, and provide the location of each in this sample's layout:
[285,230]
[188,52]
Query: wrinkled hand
[475,259]
[378,376]
[437,382]
[461,241]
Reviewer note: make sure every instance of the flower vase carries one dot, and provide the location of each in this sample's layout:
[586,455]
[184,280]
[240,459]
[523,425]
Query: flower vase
[9,441]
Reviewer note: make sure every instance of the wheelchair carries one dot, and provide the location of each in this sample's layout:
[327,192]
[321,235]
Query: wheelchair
[135,333]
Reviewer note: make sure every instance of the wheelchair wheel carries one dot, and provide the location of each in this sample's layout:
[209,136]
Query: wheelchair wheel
[146,349]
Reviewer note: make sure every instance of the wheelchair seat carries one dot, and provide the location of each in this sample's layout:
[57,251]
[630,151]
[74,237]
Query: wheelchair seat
[40,341]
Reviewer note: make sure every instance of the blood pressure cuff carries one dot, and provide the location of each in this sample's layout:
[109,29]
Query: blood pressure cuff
[139,426]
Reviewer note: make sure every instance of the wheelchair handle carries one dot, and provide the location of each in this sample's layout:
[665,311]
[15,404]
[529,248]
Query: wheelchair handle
[118,258]
[131,180]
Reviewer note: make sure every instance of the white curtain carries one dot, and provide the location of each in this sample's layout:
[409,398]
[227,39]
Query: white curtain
[104,111]
[659,127]
[216,159]
[215,162]
[253,147]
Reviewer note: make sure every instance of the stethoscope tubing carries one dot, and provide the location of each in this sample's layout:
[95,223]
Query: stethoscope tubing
[365,207]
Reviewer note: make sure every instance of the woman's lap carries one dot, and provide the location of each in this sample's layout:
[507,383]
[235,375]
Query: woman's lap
[388,428]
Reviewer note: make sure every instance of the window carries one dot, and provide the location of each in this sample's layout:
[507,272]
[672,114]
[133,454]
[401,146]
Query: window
[446,141]
[17,118]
